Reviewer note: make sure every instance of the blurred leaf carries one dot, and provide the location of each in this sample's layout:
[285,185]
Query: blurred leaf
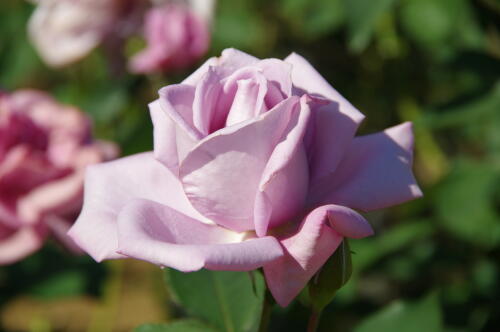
[424,315]
[313,18]
[444,20]
[188,325]
[465,203]
[333,275]
[239,25]
[65,283]
[225,299]
[369,251]
[464,114]
[362,17]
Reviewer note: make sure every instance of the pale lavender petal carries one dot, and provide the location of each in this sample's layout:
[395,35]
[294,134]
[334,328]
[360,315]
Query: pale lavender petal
[212,172]
[375,173]
[161,235]
[205,115]
[285,180]
[177,101]
[329,136]
[109,187]
[164,136]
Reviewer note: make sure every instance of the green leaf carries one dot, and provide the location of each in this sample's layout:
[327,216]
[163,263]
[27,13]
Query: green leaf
[369,251]
[362,17]
[67,283]
[444,20]
[424,315]
[332,276]
[226,299]
[313,18]
[188,325]
[465,203]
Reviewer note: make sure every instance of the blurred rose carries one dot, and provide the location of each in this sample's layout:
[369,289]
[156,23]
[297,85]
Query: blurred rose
[64,31]
[44,149]
[255,164]
[177,37]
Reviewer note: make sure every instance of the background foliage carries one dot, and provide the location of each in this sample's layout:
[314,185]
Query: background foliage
[433,264]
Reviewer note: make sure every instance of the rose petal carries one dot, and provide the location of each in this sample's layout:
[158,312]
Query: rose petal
[329,136]
[106,193]
[164,136]
[177,101]
[212,172]
[205,115]
[285,180]
[375,172]
[310,247]
[158,234]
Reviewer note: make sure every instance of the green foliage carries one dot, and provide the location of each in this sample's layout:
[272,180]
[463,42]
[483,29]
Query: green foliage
[231,301]
[465,203]
[424,315]
[177,326]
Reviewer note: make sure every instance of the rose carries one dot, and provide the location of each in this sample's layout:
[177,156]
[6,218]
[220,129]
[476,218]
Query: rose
[44,148]
[177,37]
[65,31]
[255,164]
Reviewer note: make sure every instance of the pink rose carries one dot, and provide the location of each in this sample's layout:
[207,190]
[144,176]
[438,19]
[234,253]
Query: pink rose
[44,149]
[177,37]
[255,164]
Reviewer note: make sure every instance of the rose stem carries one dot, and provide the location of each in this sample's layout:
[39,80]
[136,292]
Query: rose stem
[267,307]
[313,320]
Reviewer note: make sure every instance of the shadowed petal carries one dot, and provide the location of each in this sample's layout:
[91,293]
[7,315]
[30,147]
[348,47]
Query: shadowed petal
[158,234]
[375,172]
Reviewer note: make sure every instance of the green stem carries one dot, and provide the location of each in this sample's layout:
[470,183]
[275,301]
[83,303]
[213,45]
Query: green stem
[267,307]
[313,320]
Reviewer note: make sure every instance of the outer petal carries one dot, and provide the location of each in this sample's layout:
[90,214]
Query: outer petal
[309,248]
[106,193]
[156,233]
[375,172]
[305,77]
[222,173]
[164,136]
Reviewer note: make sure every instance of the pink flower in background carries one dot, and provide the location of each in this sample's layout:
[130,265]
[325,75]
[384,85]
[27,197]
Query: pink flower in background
[44,149]
[177,32]
[176,38]
[64,31]
[255,164]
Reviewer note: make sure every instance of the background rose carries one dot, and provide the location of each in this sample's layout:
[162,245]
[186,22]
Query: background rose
[177,32]
[262,168]
[176,36]
[44,149]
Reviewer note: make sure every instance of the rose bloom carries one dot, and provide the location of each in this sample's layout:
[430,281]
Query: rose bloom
[44,149]
[255,164]
[177,32]
[176,37]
